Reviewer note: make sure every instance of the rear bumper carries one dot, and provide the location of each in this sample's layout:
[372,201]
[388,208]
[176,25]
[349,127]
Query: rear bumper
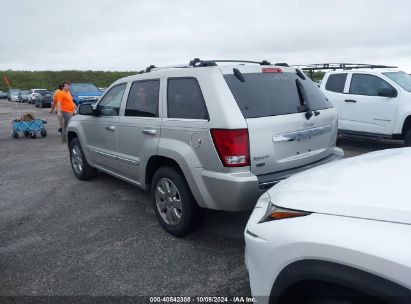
[266,181]
[224,191]
[239,191]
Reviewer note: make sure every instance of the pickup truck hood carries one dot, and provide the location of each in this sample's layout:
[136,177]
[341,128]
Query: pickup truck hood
[372,186]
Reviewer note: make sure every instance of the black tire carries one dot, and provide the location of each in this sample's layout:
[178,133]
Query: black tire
[33,135]
[329,294]
[43,133]
[82,170]
[189,216]
[407,138]
[15,135]
[26,133]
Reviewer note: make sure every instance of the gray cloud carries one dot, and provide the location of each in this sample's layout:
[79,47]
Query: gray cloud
[130,34]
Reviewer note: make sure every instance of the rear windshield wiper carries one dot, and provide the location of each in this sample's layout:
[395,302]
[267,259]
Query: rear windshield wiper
[238,75]
[304,107]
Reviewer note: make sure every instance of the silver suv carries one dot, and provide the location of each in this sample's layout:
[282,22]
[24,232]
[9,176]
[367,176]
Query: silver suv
[204,135]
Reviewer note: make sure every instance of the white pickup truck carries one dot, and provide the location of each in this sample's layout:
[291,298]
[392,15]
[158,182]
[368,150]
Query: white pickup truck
[372,103]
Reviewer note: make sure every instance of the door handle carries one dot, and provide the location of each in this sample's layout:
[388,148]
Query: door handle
[149,131]
[111,128]
[350,100]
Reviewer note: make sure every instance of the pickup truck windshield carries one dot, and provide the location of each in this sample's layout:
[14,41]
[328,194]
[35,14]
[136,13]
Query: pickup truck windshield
[83,88]
[271,94]
[400,78]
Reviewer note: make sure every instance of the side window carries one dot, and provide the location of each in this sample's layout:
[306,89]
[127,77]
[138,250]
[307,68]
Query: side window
[185,100]
[336,82]
[110,103]
[143,99]
[370,85]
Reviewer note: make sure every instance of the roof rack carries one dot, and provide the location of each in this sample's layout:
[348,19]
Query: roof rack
[341,66]
[197,62]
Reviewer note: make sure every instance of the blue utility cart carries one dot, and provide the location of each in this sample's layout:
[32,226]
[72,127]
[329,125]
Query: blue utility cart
[29,128]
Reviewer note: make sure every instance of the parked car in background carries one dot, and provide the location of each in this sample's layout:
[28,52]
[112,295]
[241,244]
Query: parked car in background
[85,93]
[23,96]
[338,233]
[14,95]
[371,103]
[35,93]
[3,95]
[205,135]
[42,99]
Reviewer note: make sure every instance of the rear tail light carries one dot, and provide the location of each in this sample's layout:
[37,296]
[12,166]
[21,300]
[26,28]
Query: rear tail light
[232,146]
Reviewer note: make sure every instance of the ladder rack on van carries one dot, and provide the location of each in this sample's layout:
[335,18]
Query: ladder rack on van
[311,68]
[342,66]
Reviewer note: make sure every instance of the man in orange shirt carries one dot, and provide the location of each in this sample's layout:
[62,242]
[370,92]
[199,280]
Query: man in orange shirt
[54,107]
[65,108]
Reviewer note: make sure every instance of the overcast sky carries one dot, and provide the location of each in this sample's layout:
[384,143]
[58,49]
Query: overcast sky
[129,35]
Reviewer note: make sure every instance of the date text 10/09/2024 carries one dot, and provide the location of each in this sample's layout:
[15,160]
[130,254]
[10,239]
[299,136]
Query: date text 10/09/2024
[202,300]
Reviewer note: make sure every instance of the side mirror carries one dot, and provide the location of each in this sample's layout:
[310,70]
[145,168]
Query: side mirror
[388,92]
[86,109]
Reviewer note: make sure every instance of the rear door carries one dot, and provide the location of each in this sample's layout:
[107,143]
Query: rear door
[280,135]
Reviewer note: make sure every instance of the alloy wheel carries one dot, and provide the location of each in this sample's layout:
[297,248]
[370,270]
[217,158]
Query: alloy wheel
[77,160]
[168,201]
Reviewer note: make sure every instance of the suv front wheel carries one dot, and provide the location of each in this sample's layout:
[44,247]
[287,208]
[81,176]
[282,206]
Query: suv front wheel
[173,202]
[78,161]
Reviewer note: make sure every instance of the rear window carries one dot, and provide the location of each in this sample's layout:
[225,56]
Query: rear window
[271,94]
[336,83]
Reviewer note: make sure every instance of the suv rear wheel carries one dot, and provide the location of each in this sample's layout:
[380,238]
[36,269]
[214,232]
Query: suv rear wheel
[407,138]
[173,202]
[79,164]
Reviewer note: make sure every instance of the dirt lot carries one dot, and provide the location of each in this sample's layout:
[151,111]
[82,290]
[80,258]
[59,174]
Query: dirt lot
[61,236]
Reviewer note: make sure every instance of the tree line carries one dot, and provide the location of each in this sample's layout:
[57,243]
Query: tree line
[50,80]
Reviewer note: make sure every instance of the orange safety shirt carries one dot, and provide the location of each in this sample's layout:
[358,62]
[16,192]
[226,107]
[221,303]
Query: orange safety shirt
[66,100]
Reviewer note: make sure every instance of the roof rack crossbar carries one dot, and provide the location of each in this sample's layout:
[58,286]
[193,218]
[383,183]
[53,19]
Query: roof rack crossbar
[197,62]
